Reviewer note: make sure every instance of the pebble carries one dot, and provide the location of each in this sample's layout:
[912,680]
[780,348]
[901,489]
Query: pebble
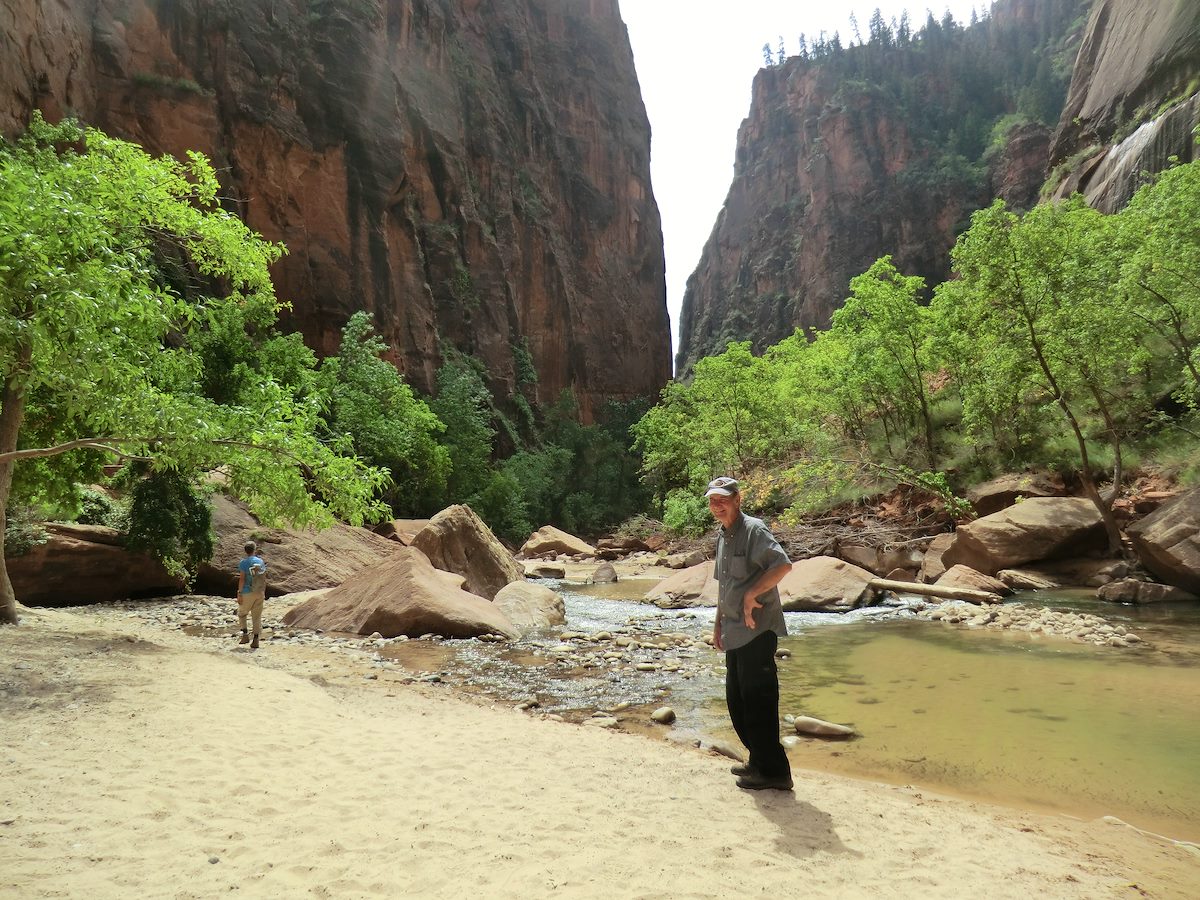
[1081,627]
[664,715]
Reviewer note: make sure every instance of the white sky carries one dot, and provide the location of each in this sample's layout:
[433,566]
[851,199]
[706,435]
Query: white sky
[696,61]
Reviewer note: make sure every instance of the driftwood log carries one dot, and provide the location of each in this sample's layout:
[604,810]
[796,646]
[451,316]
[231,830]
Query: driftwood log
[933,590]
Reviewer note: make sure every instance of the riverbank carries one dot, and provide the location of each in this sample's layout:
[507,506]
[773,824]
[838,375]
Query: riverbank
[138,760]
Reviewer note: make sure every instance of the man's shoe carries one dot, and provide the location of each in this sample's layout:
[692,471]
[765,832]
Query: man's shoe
[743,769]
[245,638]
[254,643]
[757,782]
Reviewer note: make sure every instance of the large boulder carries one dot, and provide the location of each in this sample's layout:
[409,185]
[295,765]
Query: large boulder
[1168,541]
[549,539]
[457,540]
[932,566]
[86,564]
[1036,529]
[605,574]
[297,560]
[693,586]
[880,560]
[1001,493]
[826,584]
[1084,571]
[1130,590]
[961,576]
[403,595]
[1027,580]
[529,606]
[622,544]
[401,530]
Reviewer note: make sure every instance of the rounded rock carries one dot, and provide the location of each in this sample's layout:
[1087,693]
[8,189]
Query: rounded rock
[664,715]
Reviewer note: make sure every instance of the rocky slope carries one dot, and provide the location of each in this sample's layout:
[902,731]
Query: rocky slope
[1134,99]
[476,174]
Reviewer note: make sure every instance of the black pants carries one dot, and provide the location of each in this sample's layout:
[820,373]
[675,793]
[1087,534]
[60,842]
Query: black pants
[752,694]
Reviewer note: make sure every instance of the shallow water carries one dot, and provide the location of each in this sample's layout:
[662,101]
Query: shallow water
[1088,731]
[1008,717]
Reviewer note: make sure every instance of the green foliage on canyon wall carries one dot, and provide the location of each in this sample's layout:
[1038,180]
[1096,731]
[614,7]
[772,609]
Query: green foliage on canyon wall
[952,82]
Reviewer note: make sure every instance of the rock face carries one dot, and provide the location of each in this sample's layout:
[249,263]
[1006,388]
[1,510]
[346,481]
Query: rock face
[549,539]
[832,171]
[457,540]
[86,564]
[1133,100]
[475,174]
[1035,529]
[296,560]
[1168,541]
[404,595]
[814,201]
[825,584]
[1019,169]
[694,586]
[530,606]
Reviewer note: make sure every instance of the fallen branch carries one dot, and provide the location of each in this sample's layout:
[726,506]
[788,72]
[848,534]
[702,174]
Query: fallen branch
[933,590]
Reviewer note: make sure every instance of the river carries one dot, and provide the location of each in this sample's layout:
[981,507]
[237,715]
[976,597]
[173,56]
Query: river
[1010,718]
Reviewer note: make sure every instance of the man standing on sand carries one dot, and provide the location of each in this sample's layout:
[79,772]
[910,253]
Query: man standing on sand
[749,622]
[252,591]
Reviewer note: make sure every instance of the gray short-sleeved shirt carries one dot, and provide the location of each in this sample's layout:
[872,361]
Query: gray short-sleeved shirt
[744,552]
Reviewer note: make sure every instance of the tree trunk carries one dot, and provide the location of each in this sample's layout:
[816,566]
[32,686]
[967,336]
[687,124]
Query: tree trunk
[933,590]
[12,412]
[1105,507]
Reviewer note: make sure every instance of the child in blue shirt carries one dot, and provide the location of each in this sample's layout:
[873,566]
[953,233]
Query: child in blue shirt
[252,590]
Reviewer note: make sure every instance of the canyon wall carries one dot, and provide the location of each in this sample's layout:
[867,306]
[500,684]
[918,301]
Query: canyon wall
[815,199]
[1134,100]
[475,174]
[881,148]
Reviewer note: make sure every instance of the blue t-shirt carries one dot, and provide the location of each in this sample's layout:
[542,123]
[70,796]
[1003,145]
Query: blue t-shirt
[246,566]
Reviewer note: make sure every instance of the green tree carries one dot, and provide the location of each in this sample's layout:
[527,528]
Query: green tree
[109,260]
[883,326]
[1035,293]
[1160,269]
[371,406]
[465,406]
[727,419]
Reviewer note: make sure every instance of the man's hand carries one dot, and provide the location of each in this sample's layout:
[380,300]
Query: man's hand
[717,642]
[749,605]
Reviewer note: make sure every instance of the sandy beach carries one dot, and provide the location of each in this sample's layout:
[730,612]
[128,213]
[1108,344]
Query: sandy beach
[139,761]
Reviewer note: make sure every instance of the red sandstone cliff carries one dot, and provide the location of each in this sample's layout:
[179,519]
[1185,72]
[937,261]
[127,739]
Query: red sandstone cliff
[815,200]
[476,174]
[848,156]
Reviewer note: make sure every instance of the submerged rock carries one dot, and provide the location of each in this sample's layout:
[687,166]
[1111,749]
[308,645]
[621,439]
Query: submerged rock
[809,725]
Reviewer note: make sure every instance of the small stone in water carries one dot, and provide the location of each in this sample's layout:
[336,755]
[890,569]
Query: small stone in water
[664,715]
